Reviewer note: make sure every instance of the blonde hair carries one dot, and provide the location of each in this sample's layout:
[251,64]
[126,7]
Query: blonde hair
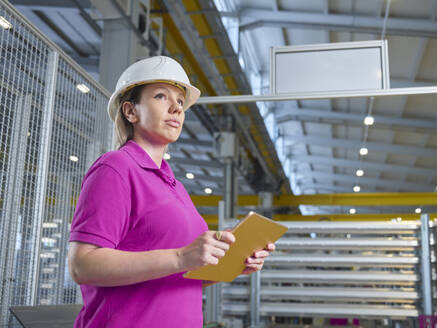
[123,129]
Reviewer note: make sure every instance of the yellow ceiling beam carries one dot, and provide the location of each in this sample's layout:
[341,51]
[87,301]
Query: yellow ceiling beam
[200,22]
[352,199]
[175,45]
[360,199]
[212,219]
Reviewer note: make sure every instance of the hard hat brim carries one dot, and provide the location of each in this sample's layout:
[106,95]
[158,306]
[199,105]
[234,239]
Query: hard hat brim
[191,96]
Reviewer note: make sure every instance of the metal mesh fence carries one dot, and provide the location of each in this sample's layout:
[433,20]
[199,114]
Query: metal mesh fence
[50,133]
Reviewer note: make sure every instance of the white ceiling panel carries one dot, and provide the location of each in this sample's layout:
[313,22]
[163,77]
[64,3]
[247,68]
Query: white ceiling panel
[411,9]
[317,129]
[302,5]
[410,138]
[304,36]
[388,106]
[400,159]
[428,67]
[320,150]
[379,135]
[402,51]
[422,106]
[395,177]
[419,179]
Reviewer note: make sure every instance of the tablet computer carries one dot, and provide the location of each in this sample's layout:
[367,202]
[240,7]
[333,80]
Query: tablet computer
[253,233]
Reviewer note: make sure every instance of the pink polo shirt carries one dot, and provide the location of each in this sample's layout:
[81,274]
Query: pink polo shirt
[128,203]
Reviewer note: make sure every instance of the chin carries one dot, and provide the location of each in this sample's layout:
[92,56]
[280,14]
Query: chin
[169,140]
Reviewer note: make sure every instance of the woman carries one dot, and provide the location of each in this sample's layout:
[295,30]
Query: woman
[135,230]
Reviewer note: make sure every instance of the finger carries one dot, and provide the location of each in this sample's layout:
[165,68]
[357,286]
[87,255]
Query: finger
[252,260]
[248,271]
[217,252]
[227,237]
[270,247]
[213,260]
[219,244]
[254,267]
[261,254]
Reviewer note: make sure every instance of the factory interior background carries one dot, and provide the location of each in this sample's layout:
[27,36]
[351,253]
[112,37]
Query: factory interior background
[319,114]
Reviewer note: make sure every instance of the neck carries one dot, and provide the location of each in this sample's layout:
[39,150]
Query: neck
[155,151]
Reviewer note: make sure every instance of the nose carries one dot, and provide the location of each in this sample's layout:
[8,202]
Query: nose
[175,107]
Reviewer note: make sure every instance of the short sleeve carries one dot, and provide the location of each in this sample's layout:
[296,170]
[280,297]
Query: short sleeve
[102,211]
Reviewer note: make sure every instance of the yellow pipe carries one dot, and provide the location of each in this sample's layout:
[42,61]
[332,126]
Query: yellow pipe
[352,199]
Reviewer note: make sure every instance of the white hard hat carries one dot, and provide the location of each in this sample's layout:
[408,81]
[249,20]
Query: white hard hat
[153,69]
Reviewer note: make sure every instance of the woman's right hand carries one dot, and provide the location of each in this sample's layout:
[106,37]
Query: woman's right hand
[206,249]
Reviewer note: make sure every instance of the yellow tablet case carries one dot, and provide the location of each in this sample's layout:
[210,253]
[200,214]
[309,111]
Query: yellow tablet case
[251,234]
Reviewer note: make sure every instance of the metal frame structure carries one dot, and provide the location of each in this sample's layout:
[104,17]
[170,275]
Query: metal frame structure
[381,45]
[318,95]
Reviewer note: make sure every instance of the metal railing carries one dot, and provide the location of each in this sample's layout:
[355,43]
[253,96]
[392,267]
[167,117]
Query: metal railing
[50,133]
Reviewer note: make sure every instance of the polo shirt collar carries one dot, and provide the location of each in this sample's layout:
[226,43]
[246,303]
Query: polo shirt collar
[144,160]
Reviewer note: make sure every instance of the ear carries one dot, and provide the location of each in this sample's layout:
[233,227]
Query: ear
[130,112]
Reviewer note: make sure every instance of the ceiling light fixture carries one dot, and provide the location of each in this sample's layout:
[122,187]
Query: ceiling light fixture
[83,88]
[208,191]
[418,210]
[359,173]
[369,120]
[357,189]
[190,176]
[364,151]
[352,211]
[74,158]
[167,156]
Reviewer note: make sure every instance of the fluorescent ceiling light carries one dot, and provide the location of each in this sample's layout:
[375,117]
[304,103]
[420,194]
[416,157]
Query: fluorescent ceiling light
[83,88]
[74,158]
[4,23]
[49,225]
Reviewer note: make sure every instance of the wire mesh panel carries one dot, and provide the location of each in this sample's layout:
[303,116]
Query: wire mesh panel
[53,125]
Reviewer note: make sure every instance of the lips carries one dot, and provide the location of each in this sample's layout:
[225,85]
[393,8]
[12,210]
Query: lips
[173,123]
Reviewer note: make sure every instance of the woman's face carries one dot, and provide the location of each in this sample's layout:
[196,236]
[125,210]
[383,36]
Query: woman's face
[158,117]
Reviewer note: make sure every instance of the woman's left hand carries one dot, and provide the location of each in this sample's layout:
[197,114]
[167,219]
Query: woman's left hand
[255,263]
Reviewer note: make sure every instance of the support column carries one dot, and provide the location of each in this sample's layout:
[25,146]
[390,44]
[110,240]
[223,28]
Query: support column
[266,205]
[63,212]
[226,144]
[11,218]
[120,44]
[213,311]
[425,266]
[255,299]
[42,173]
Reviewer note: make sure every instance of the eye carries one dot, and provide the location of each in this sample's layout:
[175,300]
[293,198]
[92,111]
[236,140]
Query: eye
[159,96]
[180,102]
